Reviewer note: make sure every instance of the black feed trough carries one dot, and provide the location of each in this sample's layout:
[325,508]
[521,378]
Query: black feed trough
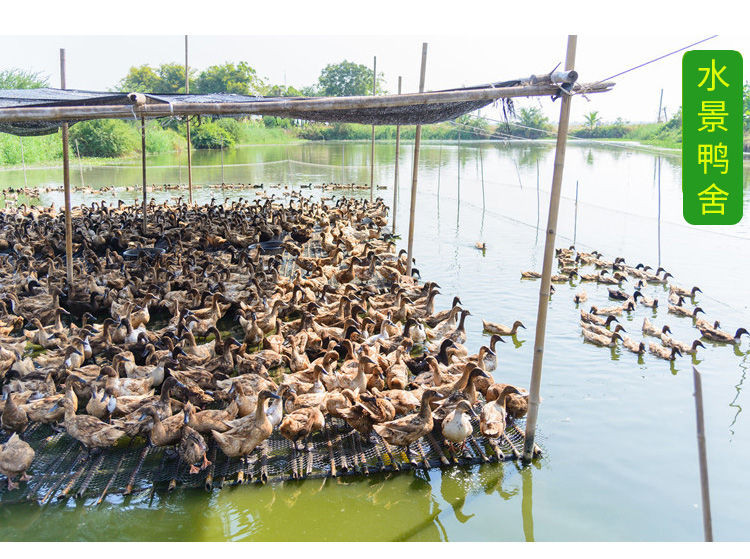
[147,251]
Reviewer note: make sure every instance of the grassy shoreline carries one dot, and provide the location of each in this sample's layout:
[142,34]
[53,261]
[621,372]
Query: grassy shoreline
[133,160]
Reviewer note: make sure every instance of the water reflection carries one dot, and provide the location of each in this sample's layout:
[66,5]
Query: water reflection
[455,486]
[527,513]
[738,388]
[528,154]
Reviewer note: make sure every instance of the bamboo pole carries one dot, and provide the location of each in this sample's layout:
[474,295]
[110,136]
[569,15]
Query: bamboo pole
[661,98]
[372,143]
[440,166]
[66,184]
[80,165]
[575,218]
[23,162]
[549,251]
[658,217]
[187,128]
[702,461]
[395,178]
[143,167]
[458,167]
[415,169]
[481,167]
[307,109]
[222,162]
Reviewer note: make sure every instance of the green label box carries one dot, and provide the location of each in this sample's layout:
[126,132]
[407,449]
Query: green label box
[712,137]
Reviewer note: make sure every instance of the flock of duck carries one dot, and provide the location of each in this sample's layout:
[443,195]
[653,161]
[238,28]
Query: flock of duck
[202,336]
[596,324]
[14,194]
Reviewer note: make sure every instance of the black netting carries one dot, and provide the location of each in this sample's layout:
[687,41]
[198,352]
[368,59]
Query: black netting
[62,469]
[417,113]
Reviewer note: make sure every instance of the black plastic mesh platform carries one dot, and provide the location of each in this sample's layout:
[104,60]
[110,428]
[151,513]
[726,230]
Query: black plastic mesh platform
[63,469]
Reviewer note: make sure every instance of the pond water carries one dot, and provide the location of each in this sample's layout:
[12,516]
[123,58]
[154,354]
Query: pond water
[618,431]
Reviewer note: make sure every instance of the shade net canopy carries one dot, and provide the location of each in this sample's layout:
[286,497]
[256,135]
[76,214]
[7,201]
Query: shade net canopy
[417,113]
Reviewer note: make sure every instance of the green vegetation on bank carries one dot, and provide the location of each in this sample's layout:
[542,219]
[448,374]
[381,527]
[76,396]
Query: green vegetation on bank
[107,139]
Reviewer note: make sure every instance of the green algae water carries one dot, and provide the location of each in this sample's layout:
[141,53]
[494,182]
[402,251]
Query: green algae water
[617,430]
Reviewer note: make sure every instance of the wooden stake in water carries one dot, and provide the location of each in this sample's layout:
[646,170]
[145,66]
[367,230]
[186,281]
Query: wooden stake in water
[575,218]
[222,162]
[187,128]
[440,166]
[549,251]
[702,461]
[66,184]
[458,167]
[372,144]
[538,209]
[395,178]
[23,162]
[658,214]
[481,168]
[143,169]
[415,169]
[80,165]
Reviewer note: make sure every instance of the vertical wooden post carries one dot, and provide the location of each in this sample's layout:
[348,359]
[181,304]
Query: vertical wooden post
[705,497]
[222,162]
[658,215]
[395,178]
[66,184]
[458,166]
[80,165]
[23,162]
[549,252]
[372,144]
[481,167]
[661,97]
[440,166]
[187,128]
[575,218]
[538,209]
[143,167]
[415,168]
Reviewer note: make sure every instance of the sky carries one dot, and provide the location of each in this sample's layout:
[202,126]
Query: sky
[99,62]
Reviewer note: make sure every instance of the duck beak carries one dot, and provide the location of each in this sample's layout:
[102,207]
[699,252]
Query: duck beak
[275,396]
